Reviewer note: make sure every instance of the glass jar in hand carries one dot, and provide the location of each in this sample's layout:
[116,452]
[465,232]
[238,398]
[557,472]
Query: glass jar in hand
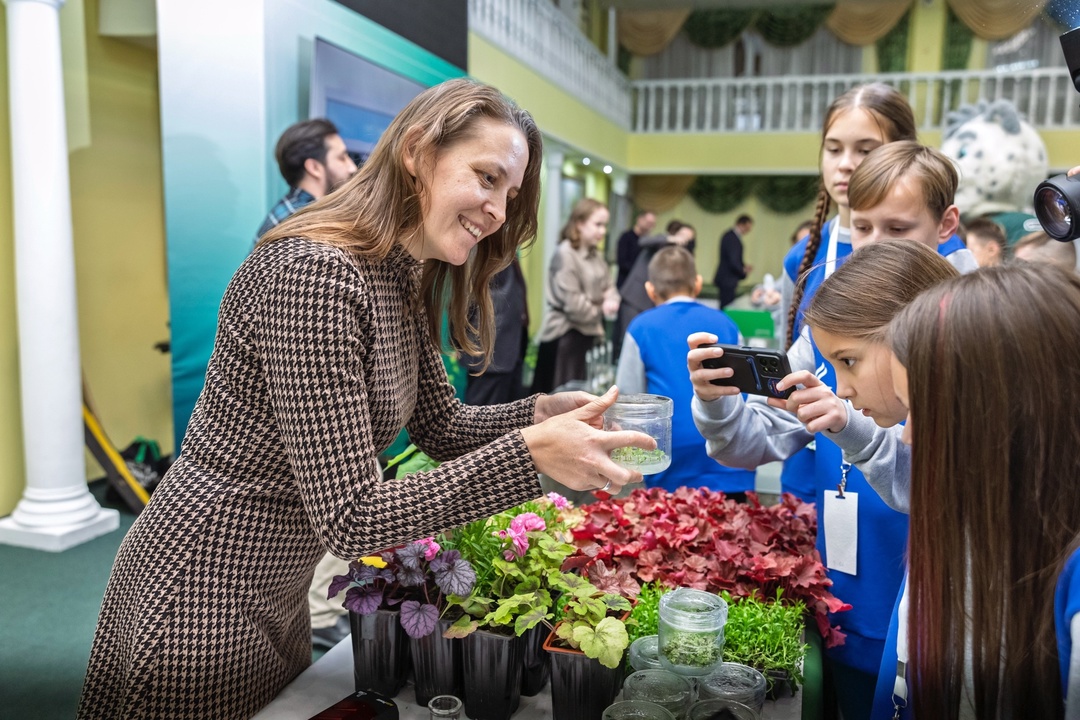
[650,414]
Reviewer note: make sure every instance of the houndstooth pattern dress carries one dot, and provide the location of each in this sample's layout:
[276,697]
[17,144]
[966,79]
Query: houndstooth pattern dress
[318,362]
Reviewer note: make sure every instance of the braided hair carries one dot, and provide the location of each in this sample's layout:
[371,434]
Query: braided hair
[891,111]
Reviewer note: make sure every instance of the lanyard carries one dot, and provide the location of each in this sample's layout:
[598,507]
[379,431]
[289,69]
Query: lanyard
[900,687]
[830,250]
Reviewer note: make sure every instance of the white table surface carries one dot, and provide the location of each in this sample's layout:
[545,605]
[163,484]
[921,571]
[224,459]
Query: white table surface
[330,679]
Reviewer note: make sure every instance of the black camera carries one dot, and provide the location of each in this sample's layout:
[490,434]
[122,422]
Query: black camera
[1057,200]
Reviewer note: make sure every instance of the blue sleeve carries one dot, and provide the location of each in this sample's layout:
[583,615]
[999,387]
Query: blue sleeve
[1066,605]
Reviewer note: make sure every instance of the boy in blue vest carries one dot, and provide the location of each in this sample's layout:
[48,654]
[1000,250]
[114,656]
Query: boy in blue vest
[653,360]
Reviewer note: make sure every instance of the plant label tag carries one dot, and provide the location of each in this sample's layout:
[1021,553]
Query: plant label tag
[841,531]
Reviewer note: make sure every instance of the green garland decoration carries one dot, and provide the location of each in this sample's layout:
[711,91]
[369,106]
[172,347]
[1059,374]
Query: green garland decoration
[716,28]
[892,49]
[720,193]
[791,25]
[787,194]
[958,40]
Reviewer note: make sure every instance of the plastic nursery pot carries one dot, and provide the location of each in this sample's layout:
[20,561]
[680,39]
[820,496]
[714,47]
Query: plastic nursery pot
[644,653]
[691,637]
[536,667]
[437,664]
[650,414]
[581,688]
[779,684]
[668,690]
[492,674]
[721,710]
[733,681]
[636,710]
[380,652]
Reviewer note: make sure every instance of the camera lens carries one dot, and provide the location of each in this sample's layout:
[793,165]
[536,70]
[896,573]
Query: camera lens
[1057,205]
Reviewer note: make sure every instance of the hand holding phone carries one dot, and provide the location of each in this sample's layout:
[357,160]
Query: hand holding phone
[754,370]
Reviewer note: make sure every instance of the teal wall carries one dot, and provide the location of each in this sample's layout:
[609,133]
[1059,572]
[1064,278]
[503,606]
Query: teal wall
[232,77]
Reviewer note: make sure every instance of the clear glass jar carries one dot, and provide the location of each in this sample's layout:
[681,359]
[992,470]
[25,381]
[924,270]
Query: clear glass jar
[643,653]
[668,690]
[725,709]
[650,414]
[636,710]
[733,681]
[692,631]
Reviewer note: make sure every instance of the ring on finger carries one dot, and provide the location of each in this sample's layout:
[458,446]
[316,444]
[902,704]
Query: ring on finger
[607,486]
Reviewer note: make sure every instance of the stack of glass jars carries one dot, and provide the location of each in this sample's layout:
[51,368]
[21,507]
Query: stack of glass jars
[691,637]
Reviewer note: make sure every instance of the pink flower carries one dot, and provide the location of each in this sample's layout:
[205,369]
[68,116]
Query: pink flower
[526,522]
[557,500]
[518,534]
[432,548]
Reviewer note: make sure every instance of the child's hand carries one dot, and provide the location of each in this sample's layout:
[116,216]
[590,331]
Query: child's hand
[700,376]
[816,406]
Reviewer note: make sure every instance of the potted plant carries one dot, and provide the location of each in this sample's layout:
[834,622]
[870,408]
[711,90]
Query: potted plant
[396,603]
[768,636]
[697,538]
[515,554]
[588,642]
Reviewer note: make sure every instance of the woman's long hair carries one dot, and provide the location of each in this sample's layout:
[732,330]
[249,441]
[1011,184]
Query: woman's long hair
[994,387]
[382,206]
[894,117]
[879,280]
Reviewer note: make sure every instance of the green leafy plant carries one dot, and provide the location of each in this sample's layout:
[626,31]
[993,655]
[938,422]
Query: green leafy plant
[766,635]
[691,649]
[646,612]
[587,619]
[634,457]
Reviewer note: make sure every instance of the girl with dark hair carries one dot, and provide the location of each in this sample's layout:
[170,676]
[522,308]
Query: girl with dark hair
[994,592]
[328,344]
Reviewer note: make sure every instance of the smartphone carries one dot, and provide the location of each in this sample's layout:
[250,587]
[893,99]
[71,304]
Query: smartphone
[757,370]
[361,705]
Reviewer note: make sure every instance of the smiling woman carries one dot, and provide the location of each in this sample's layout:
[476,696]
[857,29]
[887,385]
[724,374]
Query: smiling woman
[327,345]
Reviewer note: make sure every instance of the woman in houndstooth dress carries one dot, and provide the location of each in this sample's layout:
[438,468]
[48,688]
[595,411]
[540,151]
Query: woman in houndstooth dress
[325,349]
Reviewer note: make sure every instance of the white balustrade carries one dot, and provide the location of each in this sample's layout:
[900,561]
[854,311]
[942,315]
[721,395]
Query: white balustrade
[1045,96]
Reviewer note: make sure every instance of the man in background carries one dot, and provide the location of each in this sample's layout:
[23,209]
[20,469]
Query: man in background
[986,241]
[627,249]
[313,160]
[731,268]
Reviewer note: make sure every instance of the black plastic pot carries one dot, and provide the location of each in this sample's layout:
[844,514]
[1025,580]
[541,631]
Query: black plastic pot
[437,665]
[581,688]
[536,668]
[492,674]
[380,652]
[778,684]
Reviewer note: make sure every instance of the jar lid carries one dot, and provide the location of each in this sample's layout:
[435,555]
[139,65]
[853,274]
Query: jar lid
[643,405]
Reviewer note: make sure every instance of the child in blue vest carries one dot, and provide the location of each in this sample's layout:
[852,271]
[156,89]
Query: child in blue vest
[986,363]
[868,536]
[653,361]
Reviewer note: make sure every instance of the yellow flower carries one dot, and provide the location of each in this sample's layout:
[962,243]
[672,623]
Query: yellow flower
[373,561]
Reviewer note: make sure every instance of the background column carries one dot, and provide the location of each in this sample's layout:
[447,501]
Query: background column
[57,510]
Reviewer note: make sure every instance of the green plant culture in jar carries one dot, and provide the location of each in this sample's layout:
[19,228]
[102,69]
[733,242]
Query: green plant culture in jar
[691,631]
[650,414]
[767,636]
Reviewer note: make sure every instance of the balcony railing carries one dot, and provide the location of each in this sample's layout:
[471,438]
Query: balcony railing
[547,41]
[1045,96]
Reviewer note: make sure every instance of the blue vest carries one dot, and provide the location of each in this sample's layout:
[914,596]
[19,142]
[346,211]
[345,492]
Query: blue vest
[880,556]
[661,337]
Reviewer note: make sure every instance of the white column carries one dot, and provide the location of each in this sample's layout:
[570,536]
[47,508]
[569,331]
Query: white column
[56,510]
[612,36]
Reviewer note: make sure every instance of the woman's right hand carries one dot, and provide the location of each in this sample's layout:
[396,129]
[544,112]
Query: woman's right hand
[570,449]
[701,376]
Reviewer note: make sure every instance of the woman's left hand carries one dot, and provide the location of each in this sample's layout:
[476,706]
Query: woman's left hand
[548,406]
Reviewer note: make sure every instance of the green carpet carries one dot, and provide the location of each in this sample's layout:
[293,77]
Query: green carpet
[49,605]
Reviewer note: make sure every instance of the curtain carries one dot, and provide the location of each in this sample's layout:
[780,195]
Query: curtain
[648,32]
[659,193]
[862,23]
[997,19]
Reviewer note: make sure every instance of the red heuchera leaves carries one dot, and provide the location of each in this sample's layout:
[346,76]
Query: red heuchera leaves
[701,539]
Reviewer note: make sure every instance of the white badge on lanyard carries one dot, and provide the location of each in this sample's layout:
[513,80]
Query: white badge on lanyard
[831,248]
[841,526]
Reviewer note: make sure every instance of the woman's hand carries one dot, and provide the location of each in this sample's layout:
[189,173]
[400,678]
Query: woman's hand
[816,406]
[572,449]
[700,376]
[548,406]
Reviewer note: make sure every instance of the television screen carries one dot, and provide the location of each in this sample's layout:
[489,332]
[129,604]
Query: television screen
[358,96]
